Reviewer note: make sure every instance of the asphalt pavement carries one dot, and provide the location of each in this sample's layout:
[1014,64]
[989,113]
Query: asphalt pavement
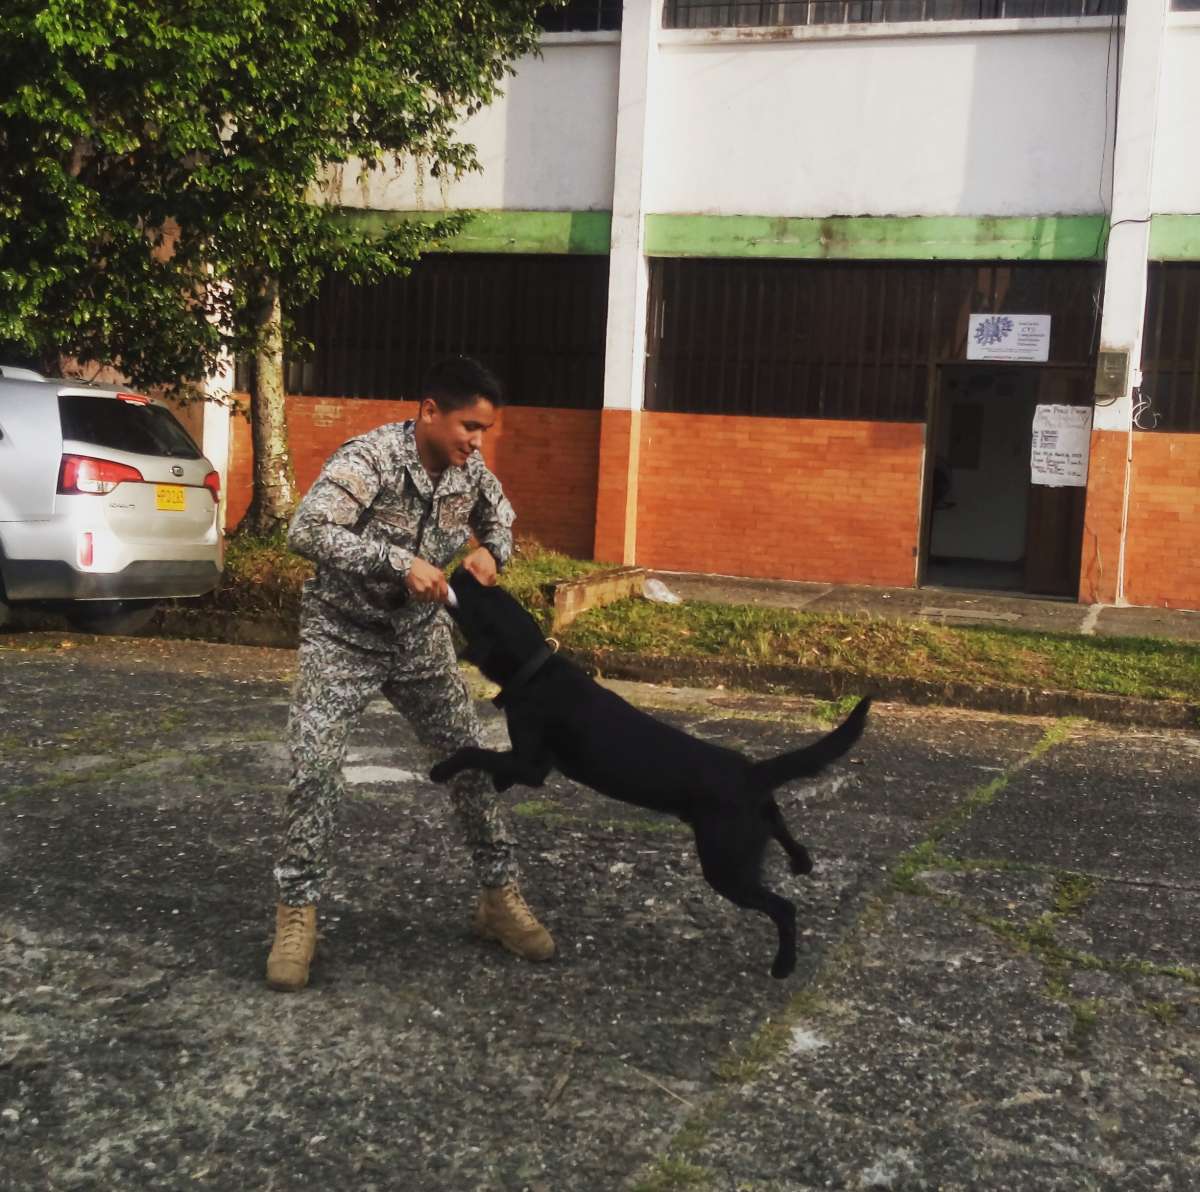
[999,984]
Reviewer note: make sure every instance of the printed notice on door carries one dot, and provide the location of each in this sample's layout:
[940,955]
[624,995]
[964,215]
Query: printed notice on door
[1062,437]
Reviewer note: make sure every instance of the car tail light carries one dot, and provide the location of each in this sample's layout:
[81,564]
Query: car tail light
[134,399]
[212,482]
[82,474]
[86,550]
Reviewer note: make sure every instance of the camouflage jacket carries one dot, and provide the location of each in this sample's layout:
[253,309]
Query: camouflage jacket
[374,508]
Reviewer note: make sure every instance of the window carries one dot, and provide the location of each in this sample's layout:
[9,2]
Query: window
[1170,393]
[142,429]
[538,321]
[581,16]
[694,14]
[842,339]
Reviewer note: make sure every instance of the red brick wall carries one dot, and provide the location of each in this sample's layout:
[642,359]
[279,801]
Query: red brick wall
[546,459]
[1162,550]
[780,498]
[775,498]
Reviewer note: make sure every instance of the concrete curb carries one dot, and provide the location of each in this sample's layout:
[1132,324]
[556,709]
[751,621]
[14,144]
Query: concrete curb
[227,628]
[792,680]
[572,597]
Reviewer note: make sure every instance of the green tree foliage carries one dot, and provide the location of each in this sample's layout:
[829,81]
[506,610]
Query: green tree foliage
[162,162]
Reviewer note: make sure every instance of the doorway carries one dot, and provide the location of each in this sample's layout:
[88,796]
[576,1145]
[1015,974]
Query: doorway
[988,527]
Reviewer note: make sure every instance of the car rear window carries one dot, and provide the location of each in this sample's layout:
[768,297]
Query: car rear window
[124,426]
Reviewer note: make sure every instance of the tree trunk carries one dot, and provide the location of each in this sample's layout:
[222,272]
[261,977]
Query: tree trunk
[274,495]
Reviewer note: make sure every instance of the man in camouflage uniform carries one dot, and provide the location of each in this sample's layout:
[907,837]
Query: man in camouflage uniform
[388,512]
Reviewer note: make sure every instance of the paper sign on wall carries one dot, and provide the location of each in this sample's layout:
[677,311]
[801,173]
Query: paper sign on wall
[1008,337]
[1062,438]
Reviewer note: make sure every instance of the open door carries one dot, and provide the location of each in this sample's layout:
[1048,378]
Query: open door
[989,526]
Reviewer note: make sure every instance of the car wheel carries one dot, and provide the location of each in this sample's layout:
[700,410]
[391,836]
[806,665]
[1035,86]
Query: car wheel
[112,616]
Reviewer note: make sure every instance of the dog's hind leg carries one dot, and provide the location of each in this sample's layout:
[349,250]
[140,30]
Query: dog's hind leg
[782,913]
[734,873]
[798,854]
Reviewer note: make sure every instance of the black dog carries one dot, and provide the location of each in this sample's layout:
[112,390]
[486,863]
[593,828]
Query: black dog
[560,718]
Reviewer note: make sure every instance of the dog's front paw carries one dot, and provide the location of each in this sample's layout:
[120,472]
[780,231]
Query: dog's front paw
[784,965]
[443,771]
[501,784]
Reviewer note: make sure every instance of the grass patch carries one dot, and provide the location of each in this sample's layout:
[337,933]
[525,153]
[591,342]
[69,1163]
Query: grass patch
[918,859]
[743,1066]
[1072,891]
[537,807]
[833,711]
[263,580]
[94,774]
[1165,1012]
[1142,667]
[1084,1016]
[672,1172]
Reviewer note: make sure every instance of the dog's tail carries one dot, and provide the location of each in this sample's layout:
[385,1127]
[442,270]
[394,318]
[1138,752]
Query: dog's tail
[812,759]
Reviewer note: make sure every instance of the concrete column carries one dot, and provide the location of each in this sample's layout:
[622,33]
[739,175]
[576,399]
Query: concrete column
[1142,55]
[217,434]
[1133,177]
[628,283]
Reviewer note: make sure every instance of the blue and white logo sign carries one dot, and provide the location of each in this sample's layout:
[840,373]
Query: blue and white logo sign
[1008,337]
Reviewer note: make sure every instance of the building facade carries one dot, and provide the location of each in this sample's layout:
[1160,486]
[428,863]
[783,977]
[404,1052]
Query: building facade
[889,292]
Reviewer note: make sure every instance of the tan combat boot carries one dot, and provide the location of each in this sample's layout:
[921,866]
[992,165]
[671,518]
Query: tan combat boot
[504,916]
[295,943]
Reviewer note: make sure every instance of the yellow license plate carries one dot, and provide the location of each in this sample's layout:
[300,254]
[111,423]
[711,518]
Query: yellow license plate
[169,496]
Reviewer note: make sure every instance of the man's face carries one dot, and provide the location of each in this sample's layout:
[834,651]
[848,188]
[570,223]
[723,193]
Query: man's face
[448,440]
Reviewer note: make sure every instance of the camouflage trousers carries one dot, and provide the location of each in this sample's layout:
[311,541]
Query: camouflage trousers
[340,668]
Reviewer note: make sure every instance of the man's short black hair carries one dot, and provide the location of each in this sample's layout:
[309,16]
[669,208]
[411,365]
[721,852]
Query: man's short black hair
[459,381]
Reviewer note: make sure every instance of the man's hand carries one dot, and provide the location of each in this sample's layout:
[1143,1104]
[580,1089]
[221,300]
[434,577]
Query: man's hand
[425,583]
[481,563]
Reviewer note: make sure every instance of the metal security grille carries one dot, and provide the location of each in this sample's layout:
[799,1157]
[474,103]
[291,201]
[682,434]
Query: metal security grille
[1170,393]
[581,16]
[692,14]
[538,321]
[854,340]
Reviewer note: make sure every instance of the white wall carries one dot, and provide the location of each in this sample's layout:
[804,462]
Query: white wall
[548,144]
[1177,151]
[971,124]
[977,122]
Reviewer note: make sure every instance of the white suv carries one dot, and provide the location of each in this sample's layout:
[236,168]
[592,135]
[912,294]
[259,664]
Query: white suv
[106,504]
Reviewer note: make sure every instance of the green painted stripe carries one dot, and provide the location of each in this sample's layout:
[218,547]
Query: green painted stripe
[1016,238]
[1175,238]
[585,232]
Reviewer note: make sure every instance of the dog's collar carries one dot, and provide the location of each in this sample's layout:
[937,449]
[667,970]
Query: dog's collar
[527,671]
